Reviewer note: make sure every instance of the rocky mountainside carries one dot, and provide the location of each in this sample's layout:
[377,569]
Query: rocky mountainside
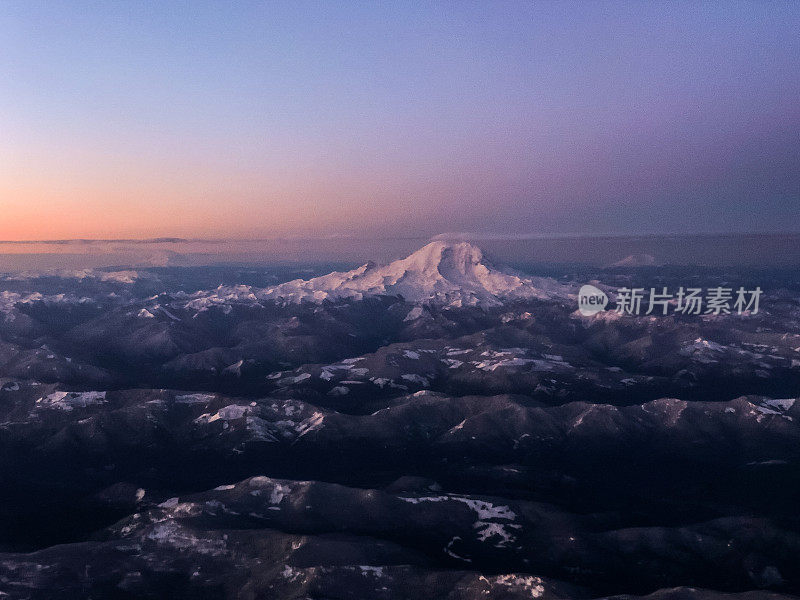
[432,428]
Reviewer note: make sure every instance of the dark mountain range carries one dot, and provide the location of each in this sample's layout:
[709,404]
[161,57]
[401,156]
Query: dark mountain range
[438,427]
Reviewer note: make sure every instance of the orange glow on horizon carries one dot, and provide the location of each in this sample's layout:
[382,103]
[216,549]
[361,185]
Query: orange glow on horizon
[200,202]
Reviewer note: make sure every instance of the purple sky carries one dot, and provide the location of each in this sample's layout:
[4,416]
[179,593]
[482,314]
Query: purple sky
[408,119]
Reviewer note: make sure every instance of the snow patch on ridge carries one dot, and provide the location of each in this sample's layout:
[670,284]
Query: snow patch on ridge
[69,400]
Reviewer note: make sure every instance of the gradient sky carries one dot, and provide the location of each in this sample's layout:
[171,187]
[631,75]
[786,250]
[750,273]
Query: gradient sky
[144,119]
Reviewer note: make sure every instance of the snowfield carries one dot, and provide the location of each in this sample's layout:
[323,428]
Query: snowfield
[451,274]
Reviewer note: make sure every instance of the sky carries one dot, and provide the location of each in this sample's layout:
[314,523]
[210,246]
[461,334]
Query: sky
[397,119]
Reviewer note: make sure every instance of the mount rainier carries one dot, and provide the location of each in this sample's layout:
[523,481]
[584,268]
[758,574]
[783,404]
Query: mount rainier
[447,273]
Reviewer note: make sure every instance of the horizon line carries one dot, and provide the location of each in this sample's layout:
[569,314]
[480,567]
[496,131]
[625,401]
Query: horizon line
[455,236]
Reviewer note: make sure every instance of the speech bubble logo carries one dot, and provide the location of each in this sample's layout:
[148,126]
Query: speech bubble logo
[591,300]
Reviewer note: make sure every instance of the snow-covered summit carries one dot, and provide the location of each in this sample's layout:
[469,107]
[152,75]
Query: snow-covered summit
[455,273]
[451,273]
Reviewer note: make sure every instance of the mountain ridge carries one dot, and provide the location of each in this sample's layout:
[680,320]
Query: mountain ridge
[449,273]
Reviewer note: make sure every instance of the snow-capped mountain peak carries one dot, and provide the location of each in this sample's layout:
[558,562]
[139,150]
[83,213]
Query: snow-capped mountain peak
[451,273]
